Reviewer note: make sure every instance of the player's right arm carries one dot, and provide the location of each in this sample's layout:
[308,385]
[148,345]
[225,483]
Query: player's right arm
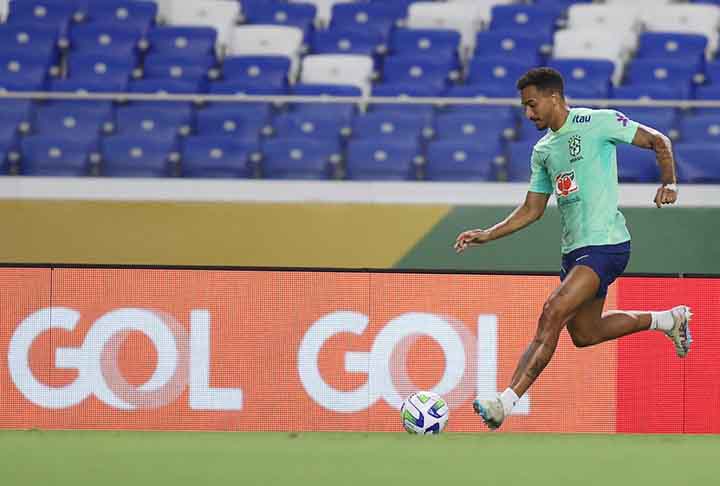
[527,213]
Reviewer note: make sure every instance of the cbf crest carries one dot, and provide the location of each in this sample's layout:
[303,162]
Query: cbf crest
[575,147]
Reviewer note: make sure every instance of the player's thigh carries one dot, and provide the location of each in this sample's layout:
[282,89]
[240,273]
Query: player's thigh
[586,317]
[577,289]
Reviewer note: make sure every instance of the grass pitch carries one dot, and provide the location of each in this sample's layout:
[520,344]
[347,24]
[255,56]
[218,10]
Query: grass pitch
[319,459]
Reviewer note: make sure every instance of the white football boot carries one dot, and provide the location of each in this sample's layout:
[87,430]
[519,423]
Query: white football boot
[491,411]
[680,332]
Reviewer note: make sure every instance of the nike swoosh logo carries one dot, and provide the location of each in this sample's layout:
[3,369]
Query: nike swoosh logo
[580,258]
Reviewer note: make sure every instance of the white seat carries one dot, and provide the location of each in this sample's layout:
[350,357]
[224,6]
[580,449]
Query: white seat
[483,8]
[464,17]
[342,69]
[687,19]
[221,15]
[164,9]
[268,40]
[4,9]
[641,3]
[594,44]
[323,9]
[616,18]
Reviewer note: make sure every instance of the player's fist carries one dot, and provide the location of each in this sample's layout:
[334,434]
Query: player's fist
[666,194]
[471,237]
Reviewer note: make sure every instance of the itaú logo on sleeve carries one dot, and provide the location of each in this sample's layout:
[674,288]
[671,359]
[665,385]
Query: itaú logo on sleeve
[470,367]
[183,361]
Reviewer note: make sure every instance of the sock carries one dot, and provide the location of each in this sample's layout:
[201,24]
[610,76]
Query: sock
[662,321]
[508,398]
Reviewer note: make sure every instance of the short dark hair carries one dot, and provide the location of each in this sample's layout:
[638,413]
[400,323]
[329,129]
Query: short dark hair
[544,78]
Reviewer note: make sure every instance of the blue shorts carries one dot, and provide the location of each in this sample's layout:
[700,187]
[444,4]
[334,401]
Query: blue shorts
[607,261]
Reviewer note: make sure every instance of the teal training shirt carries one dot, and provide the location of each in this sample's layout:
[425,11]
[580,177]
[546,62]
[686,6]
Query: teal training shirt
[579,164]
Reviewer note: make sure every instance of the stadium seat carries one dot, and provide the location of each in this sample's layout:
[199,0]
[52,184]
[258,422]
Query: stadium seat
[165,86]
[661,119]
[454,160]
[57,156]
[383,126]
[517,166]
[667,71]
[297,15]
[426,43]
[211,156]
[372,18]
[522,46]
[243,87]
[244,122]
[15,117]
[341,69]
[523,17]
[635,164]
[269,70]
[268,40]
[691,19]
[109,41]
[697,162]
[121,14]
[623,18]
[463,17]
[55,13]
[163,66]
[183,42]
[700,128]
[421,72]
[405,89]
[31,43]
[299,124]
[382,160]
[96,68]
[221,16]
[342,113]
[339,41]
[671,45]
[138,156]
[590,78]
[18,75]
[139,120]
[496,75]
[323,9]
[651,91]
[595,44]
[301,158]
[73,121]
[480,126]
[4,9]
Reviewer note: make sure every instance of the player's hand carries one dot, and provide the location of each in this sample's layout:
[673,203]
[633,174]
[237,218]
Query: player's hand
[666,195]
[471,238]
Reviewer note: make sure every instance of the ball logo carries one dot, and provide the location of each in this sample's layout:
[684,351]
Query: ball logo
[565,183]
[182,361]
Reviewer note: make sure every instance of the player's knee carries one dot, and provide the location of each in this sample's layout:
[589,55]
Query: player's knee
[552,314]
[581,340]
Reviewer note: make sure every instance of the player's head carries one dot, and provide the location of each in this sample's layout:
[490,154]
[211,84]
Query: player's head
[541,91]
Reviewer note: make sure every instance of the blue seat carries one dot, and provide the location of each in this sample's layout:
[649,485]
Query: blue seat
[467,160]
[480,126]
[77,121]
[560,6]
[183,42]
[137,156]
[301,15]
[636,164]
[497,76]
[344,41]
[163,66]
[523,17]
[35,43]
[433,44]
[424,111]
[333,90]
[74,85]
[708,92]
[15,117]
[342,112]
[520,46]
[55,13]
[295,124]
[18,75]
[168,122]
[585,78]
[672,45]
[56,155]
[517,166]
[668,72]
[212,156]
[301,158]
[267,70]
[712,72]
[378,18]
[700,128]
[238,87]
[131,14]
[662,119]
[414,72]
[95,67]
[697,162]
[166,85]
[527,131]
[481,91]
[110,41]
[382,159]
[244,122]
[384,126]
[652,91]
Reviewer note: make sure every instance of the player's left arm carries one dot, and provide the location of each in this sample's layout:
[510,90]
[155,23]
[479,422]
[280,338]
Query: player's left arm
[650,138]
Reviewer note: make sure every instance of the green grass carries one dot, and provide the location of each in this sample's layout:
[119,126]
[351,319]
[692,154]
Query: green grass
[319,459]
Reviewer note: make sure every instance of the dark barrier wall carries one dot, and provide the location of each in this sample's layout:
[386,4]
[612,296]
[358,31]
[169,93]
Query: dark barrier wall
[192,349]
[668,240]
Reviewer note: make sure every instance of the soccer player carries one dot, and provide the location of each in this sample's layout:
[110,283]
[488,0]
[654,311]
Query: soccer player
[576,160]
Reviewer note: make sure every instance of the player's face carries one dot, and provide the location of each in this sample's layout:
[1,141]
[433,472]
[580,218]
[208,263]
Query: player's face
[539,105]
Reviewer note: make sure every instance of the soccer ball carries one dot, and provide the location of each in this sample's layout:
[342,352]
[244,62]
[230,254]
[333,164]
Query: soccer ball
[424,413]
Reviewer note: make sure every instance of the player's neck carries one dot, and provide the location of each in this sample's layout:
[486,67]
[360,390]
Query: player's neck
[560,118]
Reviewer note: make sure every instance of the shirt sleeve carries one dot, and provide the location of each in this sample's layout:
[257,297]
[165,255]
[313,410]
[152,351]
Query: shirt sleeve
[616,127]
[539,176]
